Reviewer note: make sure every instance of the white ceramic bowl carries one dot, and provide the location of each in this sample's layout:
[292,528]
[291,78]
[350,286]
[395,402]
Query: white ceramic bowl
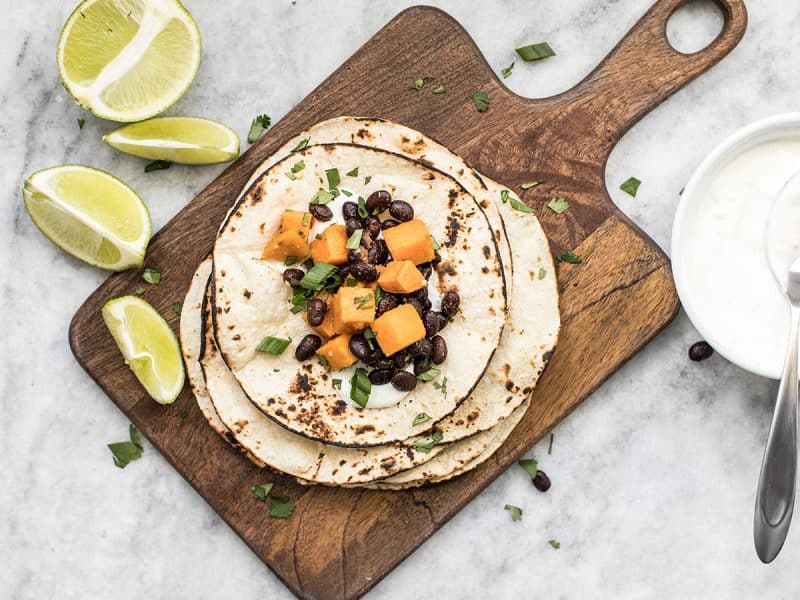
[779,127]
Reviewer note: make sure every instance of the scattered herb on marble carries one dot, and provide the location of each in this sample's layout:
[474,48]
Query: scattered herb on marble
[535,51]
[631,186]
[438,90]
[554,543]
[506,72]
[151,276]
[481,101]
[550,445]
[273,345]
[126,452]
[420,419]
[258,127]
[157,165]
[516,512]
[531,465]
[569,257]
[529,184]
[558,205]
[81,122]
[261,491]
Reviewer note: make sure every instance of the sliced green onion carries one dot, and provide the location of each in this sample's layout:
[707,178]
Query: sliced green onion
[535,51]
[430,374]
[333,178]
[517,204]
[258,127]
[151,276]
[569,257]
[289,260]
[420,419]
[438,90]
[354,240]
[337,383]
[516,512]
[558,205]
[369,335]
[302,144]
[362,208]
[352,172]
[316,276]
[529,184]
[426,444]
[542,272]
[481,101]
[506,72]
[157,165]
[367,179]
[530,465]
[273,345]
[322,197]
[631,186]
[436,245]
[360,387]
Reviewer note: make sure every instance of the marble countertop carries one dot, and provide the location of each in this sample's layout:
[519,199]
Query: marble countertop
[653,476]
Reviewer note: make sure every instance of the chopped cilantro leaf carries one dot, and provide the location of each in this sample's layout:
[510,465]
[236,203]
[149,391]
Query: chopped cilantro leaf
[258,127]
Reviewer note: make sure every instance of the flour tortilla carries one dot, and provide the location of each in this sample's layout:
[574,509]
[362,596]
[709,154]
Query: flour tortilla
[251,300]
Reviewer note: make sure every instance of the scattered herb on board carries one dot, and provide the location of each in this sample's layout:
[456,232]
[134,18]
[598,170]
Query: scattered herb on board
[126,452]
[542,272]
[531,465]
[157,165]
[558,205]
[550,445]
[81,122]
[261,491]
[554,543]
[535,51]
[426,444]
[569,257]
[506,72]
[177,307]
[334,179]
[481,101]
[631,186]
[529,184]
[151,276]
[322,197]
[354,241]
[360,387]
[352,172]
[420,419]
[273,345]
[438,90]
[301,145]
[418,84]
[516,512]
[430,374]
[139,291]
[258,127]
[280,508]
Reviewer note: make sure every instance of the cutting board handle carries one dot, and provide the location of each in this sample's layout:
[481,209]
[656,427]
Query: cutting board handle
[644,69]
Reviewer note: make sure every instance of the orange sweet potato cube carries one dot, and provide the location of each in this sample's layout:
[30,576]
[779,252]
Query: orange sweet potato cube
[401,277]
[398,328]
[337,352]
[410,241]
[296,220]
[330,247]
[288,243]
[353,309]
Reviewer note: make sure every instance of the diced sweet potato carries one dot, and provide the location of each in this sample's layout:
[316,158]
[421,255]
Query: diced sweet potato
[289,243]
[398,329]
[296,220]
[401,277]
[330,247]
[353,309]
[410,241]
[337,352]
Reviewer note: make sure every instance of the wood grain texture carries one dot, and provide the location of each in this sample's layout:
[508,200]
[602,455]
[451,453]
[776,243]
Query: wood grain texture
[339,543]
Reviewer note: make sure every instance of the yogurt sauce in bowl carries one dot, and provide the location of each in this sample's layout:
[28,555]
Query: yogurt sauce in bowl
[719,249]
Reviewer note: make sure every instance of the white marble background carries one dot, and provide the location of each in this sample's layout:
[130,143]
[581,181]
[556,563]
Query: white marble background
[653,476]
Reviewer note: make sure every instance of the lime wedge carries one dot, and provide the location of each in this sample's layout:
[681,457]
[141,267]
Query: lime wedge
[90,214]
[186,140]
[148,345]
[127,60]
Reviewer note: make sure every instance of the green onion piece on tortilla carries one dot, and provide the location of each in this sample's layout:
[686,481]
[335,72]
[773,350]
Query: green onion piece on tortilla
[516,512]
[291,175]
[558,205]
[352,172]
[426,444]
[430,374]
[535,51]
[506,72]
[367,179]
[362,208]
[529,184]
[302,144]
[516,203]
[258,127]
[436,245]
[569,257]
[333,178]
[273,345]
[530,465]
[157,165]
[442,387]
[504,195]
[360,387]
[280,508]
[420,419]
[322,197]
[261,491]
[151,276]
[337,383]
[354,240]
[347,193]
[126,452]
[542,272]
[481,101]
[631,186]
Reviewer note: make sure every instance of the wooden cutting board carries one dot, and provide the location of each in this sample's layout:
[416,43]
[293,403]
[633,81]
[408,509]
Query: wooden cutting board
[339,543]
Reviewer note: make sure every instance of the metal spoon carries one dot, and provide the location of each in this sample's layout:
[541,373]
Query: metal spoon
[777,481]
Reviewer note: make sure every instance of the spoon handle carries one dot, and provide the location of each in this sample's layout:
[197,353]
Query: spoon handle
[776,484]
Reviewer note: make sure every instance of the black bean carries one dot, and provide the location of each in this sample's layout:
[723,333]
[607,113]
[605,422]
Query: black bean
[378,253]
[378,359]
[359,346]
[372,227]
[315,313]
[400,359]
[541,481]
[450,303]
[437,258]
[292,276]
[386,304]
[416,304]
[381,376]
[343,271]
[401,210]
[356,256]
[361,271]
[307,347]
[320,212]
[352,224]
[700,351]
[389,223]
[404,381]
[431,321]
[421,364]
[421,294]
[426,269]
[377,202]
[439,351]
[443,321]
[421,348]
[350,210]
[427,305]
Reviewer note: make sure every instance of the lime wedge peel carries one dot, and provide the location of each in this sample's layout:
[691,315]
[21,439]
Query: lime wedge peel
[186,140]
[148,344]
[89,214]
[128,60]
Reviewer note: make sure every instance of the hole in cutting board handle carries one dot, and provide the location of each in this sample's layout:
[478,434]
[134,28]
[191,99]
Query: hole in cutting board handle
[694,26]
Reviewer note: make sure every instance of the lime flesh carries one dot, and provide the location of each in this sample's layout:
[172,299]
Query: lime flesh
[186,140]
[148,344]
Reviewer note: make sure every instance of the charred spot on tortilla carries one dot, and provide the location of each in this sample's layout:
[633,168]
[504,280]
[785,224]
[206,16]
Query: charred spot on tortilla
[487,252]
[247,293]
